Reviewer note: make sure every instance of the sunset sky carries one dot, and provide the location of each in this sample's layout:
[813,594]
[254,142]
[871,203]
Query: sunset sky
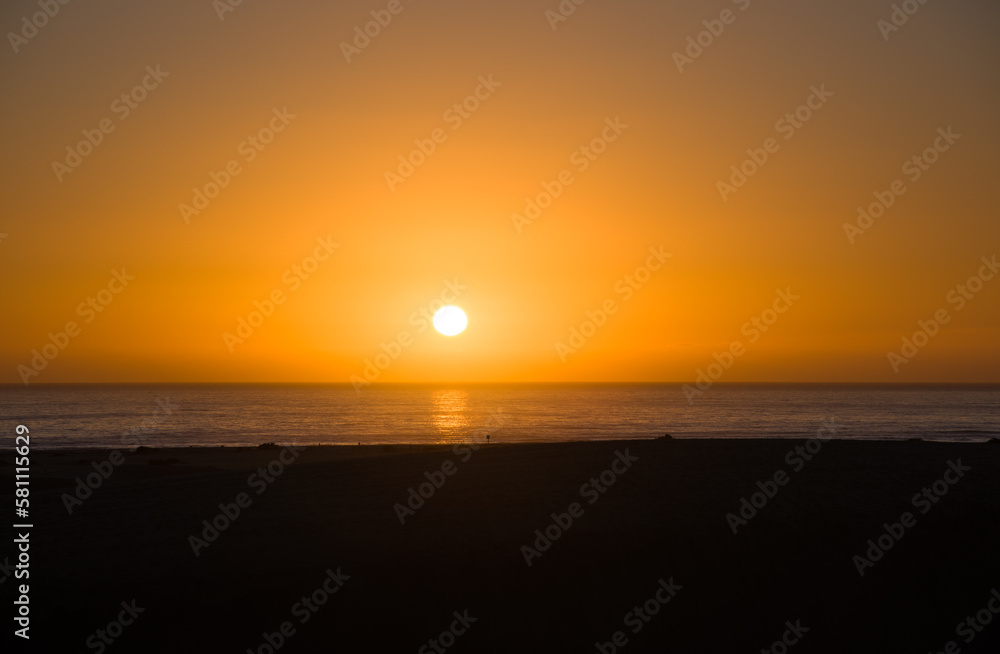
[545,89]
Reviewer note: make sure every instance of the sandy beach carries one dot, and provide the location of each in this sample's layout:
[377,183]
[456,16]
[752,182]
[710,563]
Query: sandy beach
[588,547]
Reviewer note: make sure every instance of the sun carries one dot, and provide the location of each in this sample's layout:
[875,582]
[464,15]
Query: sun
[450,320]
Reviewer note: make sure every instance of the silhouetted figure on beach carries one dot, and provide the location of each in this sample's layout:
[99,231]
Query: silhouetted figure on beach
[487,439]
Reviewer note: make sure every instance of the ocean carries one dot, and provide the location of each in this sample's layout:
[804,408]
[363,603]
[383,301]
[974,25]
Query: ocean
[184,415]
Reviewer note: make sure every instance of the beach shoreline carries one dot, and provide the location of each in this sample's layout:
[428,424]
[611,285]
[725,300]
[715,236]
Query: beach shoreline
[478,537]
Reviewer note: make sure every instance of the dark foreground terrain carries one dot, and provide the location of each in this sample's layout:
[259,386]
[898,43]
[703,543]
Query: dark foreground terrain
[657,539]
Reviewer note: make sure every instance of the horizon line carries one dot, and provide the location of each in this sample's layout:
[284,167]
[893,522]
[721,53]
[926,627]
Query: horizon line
[505,383]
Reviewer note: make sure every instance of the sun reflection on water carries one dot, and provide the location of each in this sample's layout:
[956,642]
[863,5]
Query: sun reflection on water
[450,415]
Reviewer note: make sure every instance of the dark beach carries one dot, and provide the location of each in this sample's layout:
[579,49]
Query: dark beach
[659,531]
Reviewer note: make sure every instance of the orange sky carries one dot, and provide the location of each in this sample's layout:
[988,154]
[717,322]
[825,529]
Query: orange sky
[394,245]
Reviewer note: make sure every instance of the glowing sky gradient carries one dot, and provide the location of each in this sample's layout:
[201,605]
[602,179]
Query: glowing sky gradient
[319,212]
